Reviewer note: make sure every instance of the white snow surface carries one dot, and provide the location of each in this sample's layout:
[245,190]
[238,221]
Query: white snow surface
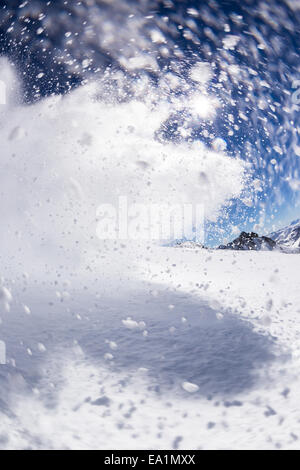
[240,347]
[226,322]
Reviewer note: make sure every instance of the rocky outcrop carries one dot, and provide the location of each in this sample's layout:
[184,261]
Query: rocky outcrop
[250,241]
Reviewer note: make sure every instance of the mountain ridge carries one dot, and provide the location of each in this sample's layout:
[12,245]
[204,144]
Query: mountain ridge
[250,241]
[286,240]
[289,236]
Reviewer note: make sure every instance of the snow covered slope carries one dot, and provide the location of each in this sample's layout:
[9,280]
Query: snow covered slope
[198,350]
[288,237]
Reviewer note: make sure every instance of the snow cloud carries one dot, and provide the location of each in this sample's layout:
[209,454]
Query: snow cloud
[65,155]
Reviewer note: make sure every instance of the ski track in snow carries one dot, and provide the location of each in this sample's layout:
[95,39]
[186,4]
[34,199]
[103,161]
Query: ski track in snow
[97,384]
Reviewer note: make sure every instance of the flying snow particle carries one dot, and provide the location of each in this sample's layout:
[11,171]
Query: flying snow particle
[201,72]
[192,12]
[108,357]
[157,37]
[219,145]
[190,387]
[5,295]
[143,370]
[26,309]
[230,41]
[130,324]
[41,347]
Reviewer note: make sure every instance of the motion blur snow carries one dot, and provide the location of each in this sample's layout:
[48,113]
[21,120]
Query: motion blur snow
[96,381]
[109,344]
[64,156]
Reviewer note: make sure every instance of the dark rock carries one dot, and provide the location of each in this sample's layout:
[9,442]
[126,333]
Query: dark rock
[250,241]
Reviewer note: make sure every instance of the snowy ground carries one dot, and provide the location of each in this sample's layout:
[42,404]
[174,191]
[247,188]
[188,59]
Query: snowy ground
[81,375]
